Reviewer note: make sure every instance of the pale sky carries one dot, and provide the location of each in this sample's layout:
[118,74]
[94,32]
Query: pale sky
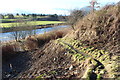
[45,6]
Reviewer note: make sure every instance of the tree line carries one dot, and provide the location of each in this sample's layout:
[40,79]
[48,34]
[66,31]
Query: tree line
[12,16]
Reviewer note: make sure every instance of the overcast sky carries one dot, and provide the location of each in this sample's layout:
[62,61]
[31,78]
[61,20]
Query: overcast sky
[45,6]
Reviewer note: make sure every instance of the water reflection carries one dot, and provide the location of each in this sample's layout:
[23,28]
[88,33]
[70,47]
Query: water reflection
[22,34]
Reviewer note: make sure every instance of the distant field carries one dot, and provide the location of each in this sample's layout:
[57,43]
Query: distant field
[19,18]
[8,19]
[30,23]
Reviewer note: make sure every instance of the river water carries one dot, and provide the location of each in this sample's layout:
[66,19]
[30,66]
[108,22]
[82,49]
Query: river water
[9,35]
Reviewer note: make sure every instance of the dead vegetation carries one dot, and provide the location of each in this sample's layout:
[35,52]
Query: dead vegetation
[101,29]
[91,51]
[33,42]
[10,49]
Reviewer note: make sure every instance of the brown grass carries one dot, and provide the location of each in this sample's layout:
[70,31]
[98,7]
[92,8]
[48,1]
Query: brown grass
[101,29]
[33,42]
[8,51]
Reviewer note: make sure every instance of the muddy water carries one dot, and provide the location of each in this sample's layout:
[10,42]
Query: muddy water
[9,35]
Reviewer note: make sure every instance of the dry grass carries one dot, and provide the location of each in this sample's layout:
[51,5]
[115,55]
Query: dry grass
[8,51]
[101,29]
[33,42]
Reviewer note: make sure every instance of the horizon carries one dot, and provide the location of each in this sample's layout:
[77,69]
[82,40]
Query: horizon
[58,7]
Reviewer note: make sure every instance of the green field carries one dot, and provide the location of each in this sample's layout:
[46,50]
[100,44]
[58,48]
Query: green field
[29,23]
[8,19]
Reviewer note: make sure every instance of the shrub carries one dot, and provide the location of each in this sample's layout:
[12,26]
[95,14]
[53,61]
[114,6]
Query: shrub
[31,42]
[75,15]
[8,50]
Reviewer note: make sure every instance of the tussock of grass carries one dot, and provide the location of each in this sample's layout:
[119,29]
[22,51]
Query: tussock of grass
[33,42]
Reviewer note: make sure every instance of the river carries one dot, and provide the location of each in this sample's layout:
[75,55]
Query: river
[8,36]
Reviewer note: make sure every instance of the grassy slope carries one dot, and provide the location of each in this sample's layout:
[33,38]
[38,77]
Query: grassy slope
[97,30]
[98,57]
[31,23]
[103,63]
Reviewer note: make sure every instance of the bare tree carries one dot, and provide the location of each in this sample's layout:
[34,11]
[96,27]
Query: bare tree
[75,15]
[15,35]
[92,5]
[20,33]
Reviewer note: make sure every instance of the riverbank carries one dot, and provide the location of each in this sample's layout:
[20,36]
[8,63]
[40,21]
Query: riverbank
[11,29]
[11,36]
[32,42]
[90,51]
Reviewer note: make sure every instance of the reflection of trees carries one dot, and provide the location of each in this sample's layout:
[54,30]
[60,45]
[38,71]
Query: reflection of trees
[18,34]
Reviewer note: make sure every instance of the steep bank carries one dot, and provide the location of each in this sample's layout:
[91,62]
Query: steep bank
[100,29]
[91,51]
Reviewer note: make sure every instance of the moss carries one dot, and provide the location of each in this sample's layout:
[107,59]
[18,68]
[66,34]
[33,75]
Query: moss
[93,53]
[99,77]
[88,73]
[101,59]
[94,62]
[40,77]
[103,52]
[106,58]
[78,57]
[76,47]
[53,72]
[99,54]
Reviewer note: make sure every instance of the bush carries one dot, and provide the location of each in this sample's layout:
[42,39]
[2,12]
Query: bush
[8,50]
[75,15]
[1,16]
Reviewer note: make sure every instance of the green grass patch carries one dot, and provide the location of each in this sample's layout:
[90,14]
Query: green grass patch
[32,23]
[76,46]
[19,16]
[8,20]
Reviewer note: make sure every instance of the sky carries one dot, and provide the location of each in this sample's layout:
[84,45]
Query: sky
[46,6]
